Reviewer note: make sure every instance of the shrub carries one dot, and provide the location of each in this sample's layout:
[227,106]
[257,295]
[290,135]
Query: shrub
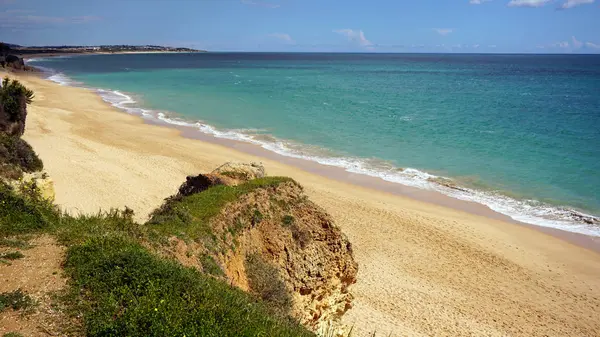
[17,154]
[210,266]
[265,282]
[127,291]
[22,215]
[14,98]
[287,220]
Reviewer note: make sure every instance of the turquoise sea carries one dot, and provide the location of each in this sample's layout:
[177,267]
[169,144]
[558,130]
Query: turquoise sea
[519,133]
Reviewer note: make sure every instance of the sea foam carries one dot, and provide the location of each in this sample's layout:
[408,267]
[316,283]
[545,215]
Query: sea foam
[527,211]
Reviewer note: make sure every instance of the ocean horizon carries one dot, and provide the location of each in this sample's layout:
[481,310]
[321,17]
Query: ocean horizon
[515,132]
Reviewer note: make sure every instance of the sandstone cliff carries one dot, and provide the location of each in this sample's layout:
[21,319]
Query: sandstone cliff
[268,239]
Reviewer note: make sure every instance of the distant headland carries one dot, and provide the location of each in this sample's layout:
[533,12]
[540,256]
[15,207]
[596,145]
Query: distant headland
[37,50]
[12,55]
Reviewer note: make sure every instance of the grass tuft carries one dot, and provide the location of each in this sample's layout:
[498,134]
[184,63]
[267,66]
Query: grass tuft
[14,243]
[15,300]
[12,256]
[12,334]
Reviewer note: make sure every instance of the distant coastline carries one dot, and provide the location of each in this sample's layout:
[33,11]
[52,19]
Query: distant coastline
[50,51]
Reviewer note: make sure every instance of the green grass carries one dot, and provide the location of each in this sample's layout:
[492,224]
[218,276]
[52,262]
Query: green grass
[118,287]
[73,230]
[16,300]
[12,256]
[189,216]
[127,291]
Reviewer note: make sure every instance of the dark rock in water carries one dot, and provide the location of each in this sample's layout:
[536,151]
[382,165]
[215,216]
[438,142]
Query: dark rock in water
[588,219]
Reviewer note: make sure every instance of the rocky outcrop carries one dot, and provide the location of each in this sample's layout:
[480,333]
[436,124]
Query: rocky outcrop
[241,171]
[273,242]
[14,62]
[230,174]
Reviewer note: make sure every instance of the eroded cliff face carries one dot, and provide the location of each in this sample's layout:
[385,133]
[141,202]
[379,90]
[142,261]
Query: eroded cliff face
[275,243]
[311,255]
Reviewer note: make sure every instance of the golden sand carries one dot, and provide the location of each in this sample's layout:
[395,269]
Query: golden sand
[424,269]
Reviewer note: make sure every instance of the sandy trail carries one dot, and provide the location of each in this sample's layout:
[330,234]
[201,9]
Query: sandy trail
[424,270]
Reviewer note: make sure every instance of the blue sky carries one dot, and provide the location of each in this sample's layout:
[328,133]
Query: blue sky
[538,26]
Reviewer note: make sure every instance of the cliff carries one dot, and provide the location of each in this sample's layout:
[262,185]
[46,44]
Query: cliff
[264,236]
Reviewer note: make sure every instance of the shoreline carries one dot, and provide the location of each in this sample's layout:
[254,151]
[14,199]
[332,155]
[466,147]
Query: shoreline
[424,269]
[381,185]
[341,174]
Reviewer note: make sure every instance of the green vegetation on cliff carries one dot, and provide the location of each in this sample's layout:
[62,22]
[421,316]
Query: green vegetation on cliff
[135,293]
[121,288]
[189,216]
[118,285]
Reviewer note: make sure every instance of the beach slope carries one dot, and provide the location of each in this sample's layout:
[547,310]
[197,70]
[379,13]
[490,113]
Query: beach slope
[423,269]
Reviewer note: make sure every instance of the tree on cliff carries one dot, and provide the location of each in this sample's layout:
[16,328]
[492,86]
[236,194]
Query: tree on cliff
[4,49]
[14,98]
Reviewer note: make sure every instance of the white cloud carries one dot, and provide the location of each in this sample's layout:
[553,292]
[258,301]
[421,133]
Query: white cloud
[492,46]
[443,31]
[260,3]
[283,37]
[478,2]
[572,45]
[527,3]
[574,3]
[10,20]
[475,46]
[563,44]
[576,44]
[356,36]
[592,45]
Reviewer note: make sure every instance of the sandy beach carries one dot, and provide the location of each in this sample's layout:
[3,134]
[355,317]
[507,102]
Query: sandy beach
[426,267]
